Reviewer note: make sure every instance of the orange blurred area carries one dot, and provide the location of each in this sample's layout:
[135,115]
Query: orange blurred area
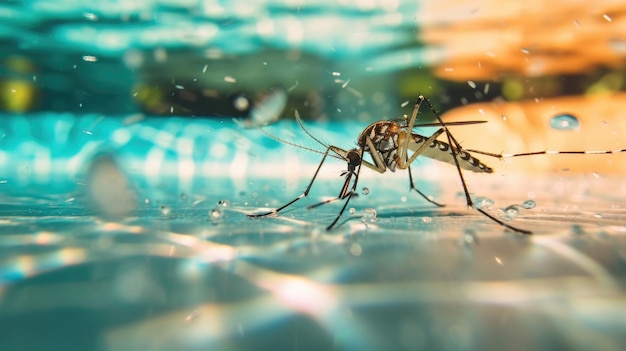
[484,40]
[526,126]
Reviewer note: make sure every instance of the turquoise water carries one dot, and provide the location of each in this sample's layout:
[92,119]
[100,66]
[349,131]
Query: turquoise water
[124,194]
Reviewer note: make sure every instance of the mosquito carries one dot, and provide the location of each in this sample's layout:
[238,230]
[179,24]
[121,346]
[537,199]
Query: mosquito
[393,145]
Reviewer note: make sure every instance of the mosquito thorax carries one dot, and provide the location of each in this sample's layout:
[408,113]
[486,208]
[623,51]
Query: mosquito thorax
[378,131]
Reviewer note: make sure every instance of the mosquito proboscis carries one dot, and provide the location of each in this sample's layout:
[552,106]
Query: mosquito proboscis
[394,145]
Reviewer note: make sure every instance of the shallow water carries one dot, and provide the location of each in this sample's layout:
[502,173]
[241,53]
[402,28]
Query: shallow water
[123,213]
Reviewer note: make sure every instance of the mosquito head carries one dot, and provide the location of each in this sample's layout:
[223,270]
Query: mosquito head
[353,158]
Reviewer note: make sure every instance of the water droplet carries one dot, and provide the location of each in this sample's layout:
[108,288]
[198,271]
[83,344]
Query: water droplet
[146,201]
[503,117]
[469,238]
[365,191]
[564,121]
[223,203]
[403,199]
[528,204]
[165,211]
[483,202]
[352,210]
[216,215]
[596,174]
[356,249]
[369,215]
[426,220]
[511,212]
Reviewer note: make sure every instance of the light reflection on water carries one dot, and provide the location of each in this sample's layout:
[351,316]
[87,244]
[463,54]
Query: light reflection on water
[185,281]
[182,271]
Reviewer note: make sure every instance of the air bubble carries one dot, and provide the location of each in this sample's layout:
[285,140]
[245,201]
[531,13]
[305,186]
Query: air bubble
[564,121]
[403,199]
[369,215]
[511,212]
[365,191]
[426,220]
[528,204]
[352,210]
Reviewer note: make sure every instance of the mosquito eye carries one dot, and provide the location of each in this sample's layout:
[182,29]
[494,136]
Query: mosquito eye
[354,158]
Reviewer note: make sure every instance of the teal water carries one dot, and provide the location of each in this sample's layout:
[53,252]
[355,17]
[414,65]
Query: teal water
[125,186]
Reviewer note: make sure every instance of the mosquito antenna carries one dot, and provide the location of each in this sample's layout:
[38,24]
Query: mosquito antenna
[299,120]
[280,140]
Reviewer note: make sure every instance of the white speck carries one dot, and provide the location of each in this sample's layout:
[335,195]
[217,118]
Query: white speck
[3,181]
[229,79]
[90,16]
[448,69]
[596,174]
[336,74]
[205,68]
[352,210]
[471,84]
[524,50]
[345,84]
[295,85]
[486,89]
[426,220]
[498,260]
[404,104]
[607,18]
[179,87]
[90,58]
[403,199]
[87,132]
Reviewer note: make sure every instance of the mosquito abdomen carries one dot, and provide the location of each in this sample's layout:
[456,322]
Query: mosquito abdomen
[441,151]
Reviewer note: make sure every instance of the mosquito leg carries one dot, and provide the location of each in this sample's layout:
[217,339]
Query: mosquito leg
[412,185]
[348,194]
[452,141]
[305,193]
[549,152]
[328,201]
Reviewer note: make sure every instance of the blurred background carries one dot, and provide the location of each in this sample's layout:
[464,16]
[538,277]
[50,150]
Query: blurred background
[130,152]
